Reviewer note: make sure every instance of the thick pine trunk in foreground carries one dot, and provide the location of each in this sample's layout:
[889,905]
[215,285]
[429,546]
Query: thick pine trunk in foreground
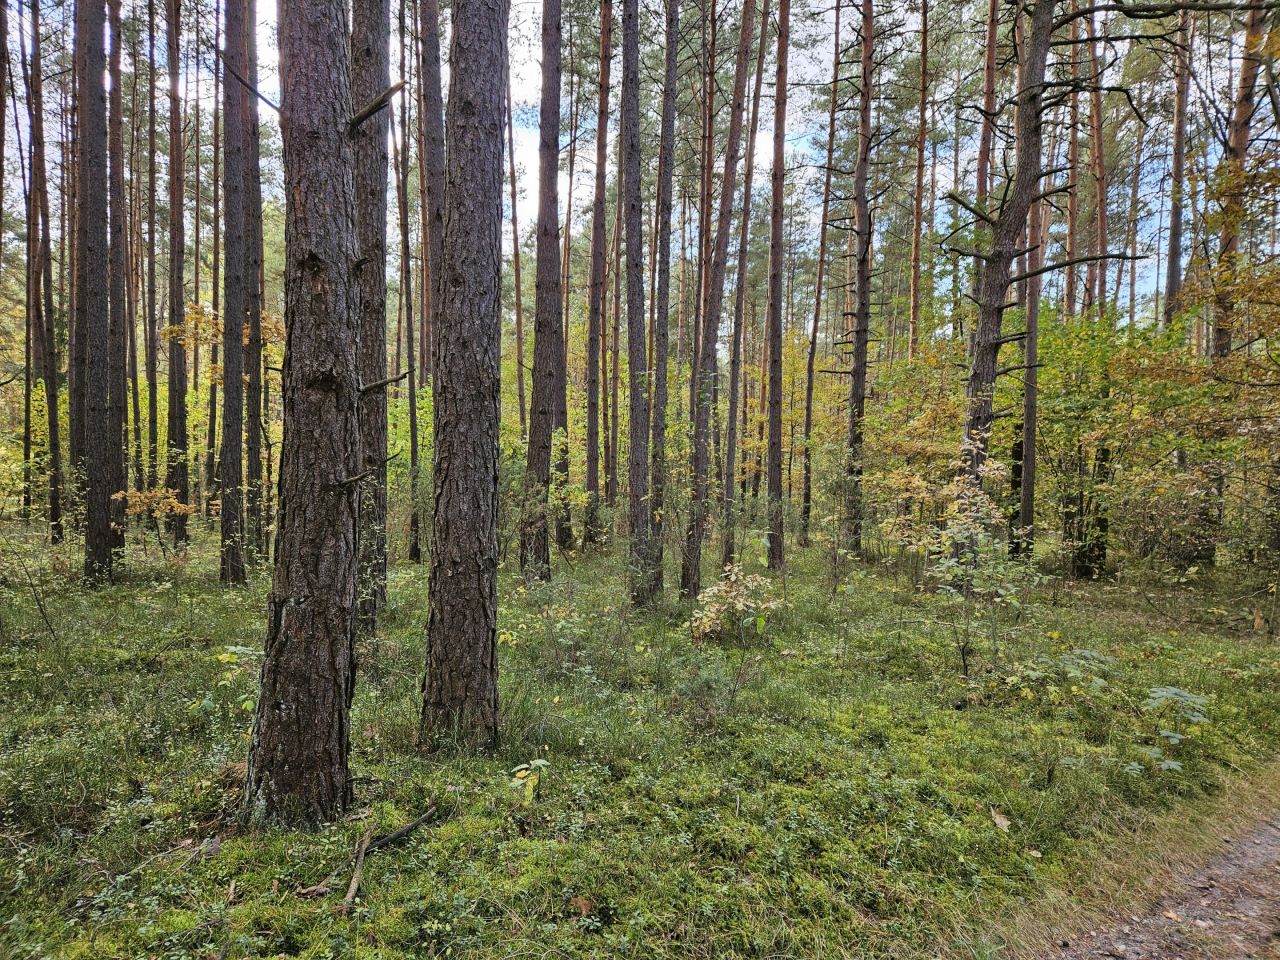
[460,689]
[370,76]
[297,769]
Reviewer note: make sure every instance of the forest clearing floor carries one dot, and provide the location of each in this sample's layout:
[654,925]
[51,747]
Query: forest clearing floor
[834,764]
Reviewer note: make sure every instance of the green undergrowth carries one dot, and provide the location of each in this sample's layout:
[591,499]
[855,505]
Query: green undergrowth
[855,769]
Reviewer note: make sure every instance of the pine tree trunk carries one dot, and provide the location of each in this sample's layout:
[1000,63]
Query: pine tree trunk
[1005,233]
[118,269]
[738,394]
[460,690]
[235,281]
[862,237]
[41,257]
[592,529]
[370,77]
[1178,150]
[176,476]
[151,342]
[917,219]
[691,570]
[806,506]
[297,771]
[255,529]
[93,331]
[433,161]
[548,334]
[1236,148]
[215,296]
[1098,159]
[515,266]
[401,161]
[661,305]
[639,515]
[774,321]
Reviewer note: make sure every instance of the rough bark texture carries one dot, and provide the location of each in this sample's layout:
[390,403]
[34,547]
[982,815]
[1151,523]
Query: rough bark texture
[91,309]
[235,278]
[370,76]
[176,475]
[737,373]
[638,512]
[691,569]
[460,690]
[548,327]
[592,531]
[297,770]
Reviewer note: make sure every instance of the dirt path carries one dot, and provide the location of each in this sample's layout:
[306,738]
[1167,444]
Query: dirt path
[1228,909]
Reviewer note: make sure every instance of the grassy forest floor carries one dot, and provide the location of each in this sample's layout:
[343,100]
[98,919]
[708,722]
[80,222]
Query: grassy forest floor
[868,769]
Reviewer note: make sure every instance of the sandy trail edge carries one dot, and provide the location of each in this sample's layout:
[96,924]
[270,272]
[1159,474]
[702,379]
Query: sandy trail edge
[1228,908]
[1139,871]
